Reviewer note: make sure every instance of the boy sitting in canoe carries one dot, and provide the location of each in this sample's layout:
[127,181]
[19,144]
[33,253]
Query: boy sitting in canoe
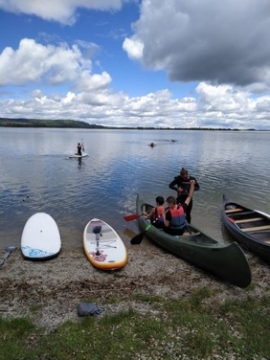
[156,214]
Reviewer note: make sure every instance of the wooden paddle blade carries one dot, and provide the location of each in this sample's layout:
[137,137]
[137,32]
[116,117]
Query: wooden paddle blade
[132,217]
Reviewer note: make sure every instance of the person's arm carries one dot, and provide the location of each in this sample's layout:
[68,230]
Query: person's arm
[191,192]
[150,214]
[166,217]
[197,186]
[174,184]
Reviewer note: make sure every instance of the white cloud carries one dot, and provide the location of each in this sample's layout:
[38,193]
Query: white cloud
[222,98]
[63,11]
[134,48]
[32,61]
[87,82]
[192,40]
[217,106]
[205,40]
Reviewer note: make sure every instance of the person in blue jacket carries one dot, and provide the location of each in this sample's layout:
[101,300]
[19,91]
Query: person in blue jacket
[181,184]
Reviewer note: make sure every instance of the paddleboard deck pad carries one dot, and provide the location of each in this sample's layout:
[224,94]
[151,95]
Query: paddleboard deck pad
[103,246]
[40,237]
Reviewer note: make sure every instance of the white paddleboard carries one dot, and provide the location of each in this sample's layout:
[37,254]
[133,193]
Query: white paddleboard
[40,237]
[84,154]
[103,246]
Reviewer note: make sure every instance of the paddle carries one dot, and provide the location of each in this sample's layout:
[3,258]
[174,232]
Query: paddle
[9,250]
[138,238]
[132,217]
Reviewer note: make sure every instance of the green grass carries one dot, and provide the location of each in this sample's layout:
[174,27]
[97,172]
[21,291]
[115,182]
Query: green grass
[166,329]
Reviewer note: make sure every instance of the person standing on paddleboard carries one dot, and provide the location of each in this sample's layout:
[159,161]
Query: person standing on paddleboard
[181,184]
[79,149]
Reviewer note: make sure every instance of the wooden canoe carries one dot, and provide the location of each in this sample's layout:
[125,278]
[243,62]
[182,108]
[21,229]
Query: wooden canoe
[251,228]
[227,262]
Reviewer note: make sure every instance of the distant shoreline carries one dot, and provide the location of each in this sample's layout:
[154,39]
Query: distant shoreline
[74,124]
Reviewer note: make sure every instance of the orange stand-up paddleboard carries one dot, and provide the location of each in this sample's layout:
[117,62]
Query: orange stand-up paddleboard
[103,246]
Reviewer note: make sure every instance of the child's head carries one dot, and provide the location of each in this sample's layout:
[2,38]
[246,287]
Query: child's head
[160,200]
[171,201]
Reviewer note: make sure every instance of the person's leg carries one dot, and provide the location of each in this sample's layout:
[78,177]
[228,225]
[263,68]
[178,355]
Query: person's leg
[188,212]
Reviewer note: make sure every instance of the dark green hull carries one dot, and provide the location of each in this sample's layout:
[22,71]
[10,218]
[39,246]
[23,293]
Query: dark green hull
[225,261]
[239,220]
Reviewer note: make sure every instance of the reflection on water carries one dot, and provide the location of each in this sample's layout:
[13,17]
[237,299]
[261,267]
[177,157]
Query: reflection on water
[37,175]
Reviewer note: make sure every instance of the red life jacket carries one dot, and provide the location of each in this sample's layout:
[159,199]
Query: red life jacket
[159,211]
[178,218]
[157,219]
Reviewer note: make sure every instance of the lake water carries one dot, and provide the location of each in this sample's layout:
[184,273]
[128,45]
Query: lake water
[36,174]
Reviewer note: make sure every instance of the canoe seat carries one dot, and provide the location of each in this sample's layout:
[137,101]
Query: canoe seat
[248,220]
[186,233]
[241,213]
[233,210]
[265,227]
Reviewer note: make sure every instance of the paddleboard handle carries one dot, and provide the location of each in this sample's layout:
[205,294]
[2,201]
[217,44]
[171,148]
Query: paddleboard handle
[97,229]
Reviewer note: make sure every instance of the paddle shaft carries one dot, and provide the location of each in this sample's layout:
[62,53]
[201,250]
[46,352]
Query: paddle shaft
[132,217]
[7,255]
[97,240]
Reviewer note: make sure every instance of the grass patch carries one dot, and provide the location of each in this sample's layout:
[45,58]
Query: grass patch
[14,338]
[168,330]
[251,325]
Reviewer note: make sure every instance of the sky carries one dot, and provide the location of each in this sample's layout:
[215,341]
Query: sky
[173,63]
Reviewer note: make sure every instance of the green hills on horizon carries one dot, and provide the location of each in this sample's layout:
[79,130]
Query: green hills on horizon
[22,122]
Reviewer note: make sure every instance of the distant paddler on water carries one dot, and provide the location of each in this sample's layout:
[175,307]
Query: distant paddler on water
[80,151]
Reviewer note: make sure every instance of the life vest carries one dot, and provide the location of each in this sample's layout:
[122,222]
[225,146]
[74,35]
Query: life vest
[178,218]
[159,211]
[157,219]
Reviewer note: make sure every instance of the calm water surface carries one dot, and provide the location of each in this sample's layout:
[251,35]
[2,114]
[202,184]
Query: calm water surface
[36,174]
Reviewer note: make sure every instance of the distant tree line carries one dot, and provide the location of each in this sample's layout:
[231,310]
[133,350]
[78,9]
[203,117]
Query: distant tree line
[46,123]
[83,125]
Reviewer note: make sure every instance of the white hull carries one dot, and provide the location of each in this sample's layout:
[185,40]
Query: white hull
[84,154]
[40,237]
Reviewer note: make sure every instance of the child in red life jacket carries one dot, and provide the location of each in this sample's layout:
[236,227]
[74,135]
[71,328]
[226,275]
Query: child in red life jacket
[175,217]
[156,214]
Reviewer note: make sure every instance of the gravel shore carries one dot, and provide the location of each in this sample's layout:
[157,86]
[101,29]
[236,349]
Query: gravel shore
[48,292]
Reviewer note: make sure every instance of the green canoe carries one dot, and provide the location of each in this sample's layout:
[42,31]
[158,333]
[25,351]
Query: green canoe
[225,261]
